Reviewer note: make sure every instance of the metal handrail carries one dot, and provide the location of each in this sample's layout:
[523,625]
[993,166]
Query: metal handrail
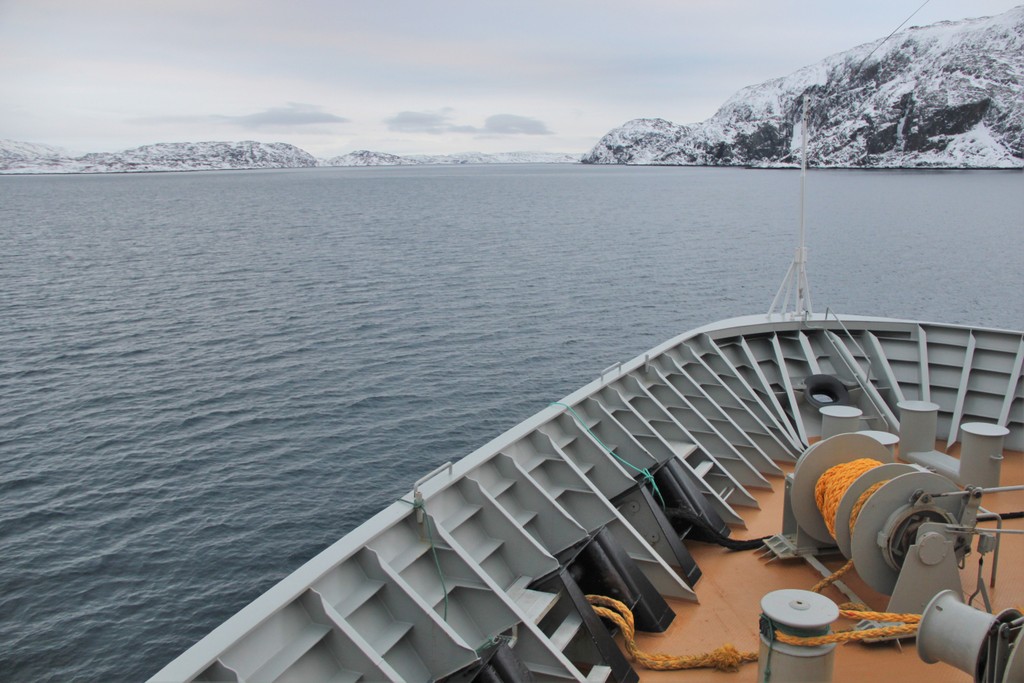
[829,311]
[854,367]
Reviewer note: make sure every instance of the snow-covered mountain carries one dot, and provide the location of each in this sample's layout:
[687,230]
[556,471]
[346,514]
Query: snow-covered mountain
[19,157]
[25,157]
[367,158]
[14,154]
[949,95]
[192,156]
[364,157]
[497,158]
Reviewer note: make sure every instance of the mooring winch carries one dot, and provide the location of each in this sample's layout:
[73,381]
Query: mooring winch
[905,528]
[989,647]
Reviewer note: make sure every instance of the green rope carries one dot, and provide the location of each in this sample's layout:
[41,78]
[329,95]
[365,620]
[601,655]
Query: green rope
[420,505]
[485,646]
[767,627]
[493,641]
[648,477]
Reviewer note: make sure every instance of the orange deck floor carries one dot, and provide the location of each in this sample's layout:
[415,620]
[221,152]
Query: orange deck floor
[733,584]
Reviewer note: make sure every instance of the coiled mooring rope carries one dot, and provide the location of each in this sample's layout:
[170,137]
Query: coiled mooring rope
[833,484]
[828,493]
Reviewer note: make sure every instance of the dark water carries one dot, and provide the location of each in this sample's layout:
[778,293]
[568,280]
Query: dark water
[207,378]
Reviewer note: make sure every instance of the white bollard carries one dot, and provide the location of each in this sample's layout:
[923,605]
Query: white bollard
[981,454]
[885,438]
[800,613]
[839,420]
[918,424]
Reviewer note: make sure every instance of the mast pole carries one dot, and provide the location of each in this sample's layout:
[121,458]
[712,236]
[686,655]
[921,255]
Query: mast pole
[803,295]
[795,281]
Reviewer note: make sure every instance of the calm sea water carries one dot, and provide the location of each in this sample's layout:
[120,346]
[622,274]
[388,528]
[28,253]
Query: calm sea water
[207,378]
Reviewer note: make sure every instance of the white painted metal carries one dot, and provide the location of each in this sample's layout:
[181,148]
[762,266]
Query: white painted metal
[863,379]
[963,388]
[869,531]
[717,419]
[887,439]
[723,369]
[924,380]
[818,459]
[981,454]
[788,386]
[744,411]
[700,429]
[719,399]
[917,426]
[808,612]
[879,357]
[796,277]
[770,396]
[1014,390]
[953,632]
[844,512]
[839,420]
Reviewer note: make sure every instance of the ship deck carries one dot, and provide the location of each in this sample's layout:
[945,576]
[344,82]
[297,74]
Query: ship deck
[733,584]
[492,587]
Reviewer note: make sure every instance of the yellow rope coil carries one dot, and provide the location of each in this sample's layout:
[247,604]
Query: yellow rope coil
[828,493]
[833,484]
[725,658]
[870,491]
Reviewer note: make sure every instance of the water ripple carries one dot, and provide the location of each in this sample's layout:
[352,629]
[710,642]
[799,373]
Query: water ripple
[207,378]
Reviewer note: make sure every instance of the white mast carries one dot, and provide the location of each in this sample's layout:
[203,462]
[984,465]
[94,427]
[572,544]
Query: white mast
[794,286]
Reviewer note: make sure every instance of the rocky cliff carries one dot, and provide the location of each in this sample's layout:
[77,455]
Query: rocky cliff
[948,95]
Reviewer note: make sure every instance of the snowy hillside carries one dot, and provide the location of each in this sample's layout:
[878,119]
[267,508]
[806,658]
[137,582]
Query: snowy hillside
[192,156]
[950,95]
[14,154]
[366,158]
[24,157]
[497,158]
[18,157]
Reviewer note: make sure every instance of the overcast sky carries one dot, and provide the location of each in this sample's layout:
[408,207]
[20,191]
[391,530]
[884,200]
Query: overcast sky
[406,76]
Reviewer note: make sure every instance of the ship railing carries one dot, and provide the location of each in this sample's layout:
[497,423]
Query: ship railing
[860,375]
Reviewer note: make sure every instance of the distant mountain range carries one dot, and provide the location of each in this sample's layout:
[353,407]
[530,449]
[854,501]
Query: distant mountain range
[949,95]
[23,157]
[367,158]
[20,157]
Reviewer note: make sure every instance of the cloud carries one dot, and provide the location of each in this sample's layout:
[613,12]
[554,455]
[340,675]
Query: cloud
[291,115]
[434,123]
[510,124]
[295,114]
[439,122]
